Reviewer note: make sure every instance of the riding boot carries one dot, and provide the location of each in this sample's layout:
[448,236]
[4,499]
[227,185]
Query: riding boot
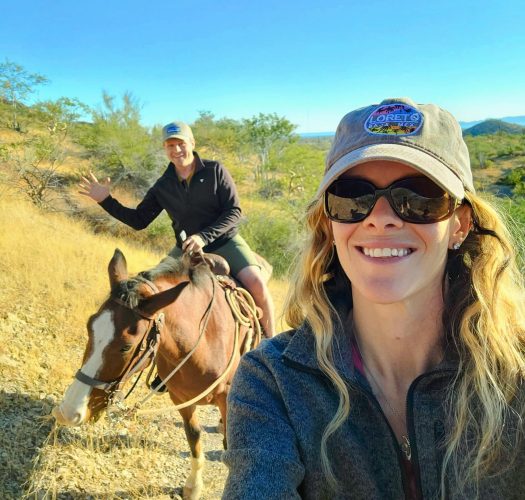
[156,382]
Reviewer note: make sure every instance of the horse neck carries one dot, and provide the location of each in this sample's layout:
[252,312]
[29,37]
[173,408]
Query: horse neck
[185,316]
[197,294]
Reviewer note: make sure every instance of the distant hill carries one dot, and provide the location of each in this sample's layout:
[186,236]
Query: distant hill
[488,127]
[518,120]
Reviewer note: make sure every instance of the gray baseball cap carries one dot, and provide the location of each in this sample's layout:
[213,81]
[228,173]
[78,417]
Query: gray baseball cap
[423,136]
[177,130]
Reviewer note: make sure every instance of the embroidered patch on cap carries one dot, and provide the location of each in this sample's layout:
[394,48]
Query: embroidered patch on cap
[394,119]
[173,129]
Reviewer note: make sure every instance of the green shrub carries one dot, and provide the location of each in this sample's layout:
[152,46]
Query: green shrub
[161,233]
[119,145]
[4,152]
[273,236]
[272,188]
[514,209]
[514,177]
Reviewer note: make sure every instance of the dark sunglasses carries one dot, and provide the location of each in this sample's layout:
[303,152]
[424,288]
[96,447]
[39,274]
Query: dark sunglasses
[417,200]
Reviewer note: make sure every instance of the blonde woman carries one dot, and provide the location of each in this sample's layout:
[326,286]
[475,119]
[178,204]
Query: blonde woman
[403,376]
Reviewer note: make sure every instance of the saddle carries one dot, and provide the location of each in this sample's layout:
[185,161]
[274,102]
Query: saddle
[241,302]
[217,264]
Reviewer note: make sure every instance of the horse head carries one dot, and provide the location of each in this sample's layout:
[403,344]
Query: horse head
[205,332]
[118,336]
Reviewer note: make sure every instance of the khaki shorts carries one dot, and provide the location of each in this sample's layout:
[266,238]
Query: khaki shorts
[236,252]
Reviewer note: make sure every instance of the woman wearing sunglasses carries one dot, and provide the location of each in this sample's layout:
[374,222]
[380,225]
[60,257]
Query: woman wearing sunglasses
[403,376]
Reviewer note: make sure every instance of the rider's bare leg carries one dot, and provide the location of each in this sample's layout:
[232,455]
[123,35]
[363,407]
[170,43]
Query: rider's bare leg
[252,279]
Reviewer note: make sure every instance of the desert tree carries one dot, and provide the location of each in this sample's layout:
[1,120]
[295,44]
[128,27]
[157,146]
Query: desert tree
[267,134]
[117,141]
[218,136]
[16,85]
[58,116]
[35,159]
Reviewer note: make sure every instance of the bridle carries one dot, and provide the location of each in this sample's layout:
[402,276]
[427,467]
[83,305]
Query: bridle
[145,350]
[242,307]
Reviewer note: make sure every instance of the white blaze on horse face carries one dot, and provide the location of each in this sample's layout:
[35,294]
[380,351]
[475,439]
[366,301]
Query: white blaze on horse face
[73,409]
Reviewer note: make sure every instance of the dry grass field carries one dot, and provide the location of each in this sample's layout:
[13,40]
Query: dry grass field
[52,277]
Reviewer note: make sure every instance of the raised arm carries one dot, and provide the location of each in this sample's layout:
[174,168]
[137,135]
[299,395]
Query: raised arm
[137,218]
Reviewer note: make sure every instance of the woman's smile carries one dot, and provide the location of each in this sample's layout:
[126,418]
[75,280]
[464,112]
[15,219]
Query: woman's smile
[387,259]
[385,252]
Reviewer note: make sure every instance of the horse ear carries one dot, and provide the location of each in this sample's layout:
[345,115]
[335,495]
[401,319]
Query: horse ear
[117,268]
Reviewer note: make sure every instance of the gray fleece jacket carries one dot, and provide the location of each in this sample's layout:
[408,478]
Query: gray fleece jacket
[280,403]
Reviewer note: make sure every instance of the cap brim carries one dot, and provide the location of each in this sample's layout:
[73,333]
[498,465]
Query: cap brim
[416,158]
[178,136]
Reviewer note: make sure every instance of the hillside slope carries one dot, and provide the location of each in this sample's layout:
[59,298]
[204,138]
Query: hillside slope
[52,277]
[489,127]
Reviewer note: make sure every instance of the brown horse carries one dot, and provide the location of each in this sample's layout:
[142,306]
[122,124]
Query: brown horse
[180,303]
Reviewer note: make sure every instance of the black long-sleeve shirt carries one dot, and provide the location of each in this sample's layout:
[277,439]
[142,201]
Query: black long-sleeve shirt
[208,205]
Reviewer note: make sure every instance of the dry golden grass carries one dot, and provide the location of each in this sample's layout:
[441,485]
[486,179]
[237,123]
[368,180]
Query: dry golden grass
[9,136]
[52,277]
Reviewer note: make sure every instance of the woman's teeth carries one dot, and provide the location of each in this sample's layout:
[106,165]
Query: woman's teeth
[386,252]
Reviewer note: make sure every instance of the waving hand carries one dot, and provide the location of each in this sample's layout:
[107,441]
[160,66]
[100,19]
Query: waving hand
[96,190]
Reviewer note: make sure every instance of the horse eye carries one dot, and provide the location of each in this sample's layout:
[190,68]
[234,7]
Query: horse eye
[126,348]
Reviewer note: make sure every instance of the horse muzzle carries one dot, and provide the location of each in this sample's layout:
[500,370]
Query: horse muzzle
[69,418]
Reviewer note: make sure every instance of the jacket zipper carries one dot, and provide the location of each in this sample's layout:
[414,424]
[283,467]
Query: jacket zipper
[410,429]
[357,385]
[371,398]
[410,421]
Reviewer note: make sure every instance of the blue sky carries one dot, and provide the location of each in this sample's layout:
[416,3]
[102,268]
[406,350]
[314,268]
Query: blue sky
[308,61]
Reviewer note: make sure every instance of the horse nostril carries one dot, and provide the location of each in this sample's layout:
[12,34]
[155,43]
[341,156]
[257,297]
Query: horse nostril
[59,416]
[77,418]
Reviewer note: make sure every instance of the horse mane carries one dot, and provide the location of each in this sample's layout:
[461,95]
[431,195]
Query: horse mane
[169,267]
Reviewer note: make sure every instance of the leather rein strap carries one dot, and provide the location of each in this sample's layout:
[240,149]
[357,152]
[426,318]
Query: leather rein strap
[145,350]
[243,310]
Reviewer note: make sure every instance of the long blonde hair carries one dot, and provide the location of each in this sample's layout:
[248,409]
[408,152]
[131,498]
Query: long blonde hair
[484,318]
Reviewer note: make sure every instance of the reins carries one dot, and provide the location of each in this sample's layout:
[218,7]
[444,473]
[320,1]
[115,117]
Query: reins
[206,317]
[244,312]
[243,309]
[148,345]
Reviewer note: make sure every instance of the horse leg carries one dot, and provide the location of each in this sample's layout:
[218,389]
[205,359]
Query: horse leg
[221,403]
[194,483]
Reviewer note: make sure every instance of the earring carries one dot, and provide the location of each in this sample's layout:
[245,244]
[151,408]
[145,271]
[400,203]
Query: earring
[456,246]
